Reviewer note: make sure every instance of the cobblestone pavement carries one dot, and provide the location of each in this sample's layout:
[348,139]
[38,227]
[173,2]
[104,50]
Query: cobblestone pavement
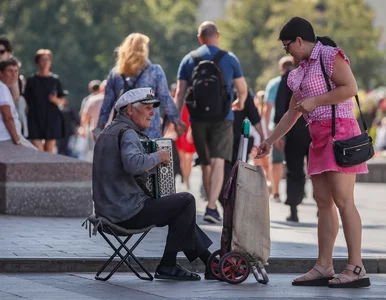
[125,286]
[61,238]
[45,237]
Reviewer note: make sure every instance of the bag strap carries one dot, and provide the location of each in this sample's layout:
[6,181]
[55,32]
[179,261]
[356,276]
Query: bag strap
[137,178]
[196,57]
[125,83]
[334,106]
[218,56]
[126,128]
[126,86]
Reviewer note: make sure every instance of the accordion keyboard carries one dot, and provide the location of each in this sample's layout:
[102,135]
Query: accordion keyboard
[162,183]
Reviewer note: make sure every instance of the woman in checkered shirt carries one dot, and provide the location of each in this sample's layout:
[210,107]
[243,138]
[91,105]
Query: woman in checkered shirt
[333,185]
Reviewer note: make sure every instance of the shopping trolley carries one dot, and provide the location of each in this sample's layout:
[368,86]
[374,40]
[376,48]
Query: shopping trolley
[245,238]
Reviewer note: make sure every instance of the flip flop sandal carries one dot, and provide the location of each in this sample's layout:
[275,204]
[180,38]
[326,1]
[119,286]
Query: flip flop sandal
[351,281]
[321,279]
[176,272]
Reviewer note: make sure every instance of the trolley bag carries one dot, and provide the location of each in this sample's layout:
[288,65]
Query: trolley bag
[245,238]
[251,222]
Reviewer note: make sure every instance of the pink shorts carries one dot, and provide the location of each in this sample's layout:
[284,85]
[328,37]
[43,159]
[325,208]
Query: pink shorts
[321,155]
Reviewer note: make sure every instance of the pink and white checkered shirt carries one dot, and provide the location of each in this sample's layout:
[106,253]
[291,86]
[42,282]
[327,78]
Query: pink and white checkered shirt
[307,81]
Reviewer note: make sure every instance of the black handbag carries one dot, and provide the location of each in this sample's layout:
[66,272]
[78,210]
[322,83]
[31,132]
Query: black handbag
[355,150]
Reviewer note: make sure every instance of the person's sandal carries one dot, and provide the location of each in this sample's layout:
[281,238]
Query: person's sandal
[317,276]
[355,280]
[176,272]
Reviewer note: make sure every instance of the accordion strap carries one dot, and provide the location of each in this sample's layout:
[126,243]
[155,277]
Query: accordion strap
[334,106]
[137,178]
[126,128]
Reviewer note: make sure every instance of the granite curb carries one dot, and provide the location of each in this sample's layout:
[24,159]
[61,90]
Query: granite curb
[87,264]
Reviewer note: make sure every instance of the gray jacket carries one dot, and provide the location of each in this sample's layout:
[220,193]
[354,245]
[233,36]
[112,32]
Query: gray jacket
[116,194]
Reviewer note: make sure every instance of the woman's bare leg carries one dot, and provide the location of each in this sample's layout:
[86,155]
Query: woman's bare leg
[49,146]
[188,168]
[38,144]
[328,223]
[328,226]
[342,188]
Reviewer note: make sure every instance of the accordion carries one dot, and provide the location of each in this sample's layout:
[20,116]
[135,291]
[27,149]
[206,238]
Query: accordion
[161,183]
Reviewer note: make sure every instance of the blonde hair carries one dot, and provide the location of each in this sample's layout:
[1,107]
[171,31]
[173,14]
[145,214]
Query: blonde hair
[132,54]
[42,52]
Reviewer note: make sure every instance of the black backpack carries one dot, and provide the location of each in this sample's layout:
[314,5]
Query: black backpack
[207,98]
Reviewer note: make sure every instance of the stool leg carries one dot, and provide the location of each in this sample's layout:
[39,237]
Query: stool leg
[116,252]
[124,259]
[130,253]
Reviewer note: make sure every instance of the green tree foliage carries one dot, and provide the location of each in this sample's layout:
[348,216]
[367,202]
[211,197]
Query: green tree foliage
[252,30]
[243,25]
[83,34]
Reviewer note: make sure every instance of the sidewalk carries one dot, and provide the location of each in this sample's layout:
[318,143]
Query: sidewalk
[39,244]
[125,286]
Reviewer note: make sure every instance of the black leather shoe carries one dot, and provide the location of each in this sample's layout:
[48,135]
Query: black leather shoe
[293,219]
[176,272]
[209,276]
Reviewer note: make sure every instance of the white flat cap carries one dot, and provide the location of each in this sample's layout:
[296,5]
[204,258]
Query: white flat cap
[143,95]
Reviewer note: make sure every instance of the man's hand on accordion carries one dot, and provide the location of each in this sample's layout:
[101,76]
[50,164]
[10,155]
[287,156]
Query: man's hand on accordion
[164,156]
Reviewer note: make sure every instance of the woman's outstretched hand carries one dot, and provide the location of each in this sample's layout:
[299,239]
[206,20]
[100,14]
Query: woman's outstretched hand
[263,149]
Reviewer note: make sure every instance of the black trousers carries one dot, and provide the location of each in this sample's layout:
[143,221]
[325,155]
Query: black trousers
[296,148]
[178,211]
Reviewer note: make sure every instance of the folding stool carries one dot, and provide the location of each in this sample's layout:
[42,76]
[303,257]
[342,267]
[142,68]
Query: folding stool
[103,226]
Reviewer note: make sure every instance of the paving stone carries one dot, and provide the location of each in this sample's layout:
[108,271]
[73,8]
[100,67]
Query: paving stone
[64,237]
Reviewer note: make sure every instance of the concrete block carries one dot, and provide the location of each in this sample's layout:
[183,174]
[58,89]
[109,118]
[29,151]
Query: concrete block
[37,183]
[377,172]
[64,199]
[382,265]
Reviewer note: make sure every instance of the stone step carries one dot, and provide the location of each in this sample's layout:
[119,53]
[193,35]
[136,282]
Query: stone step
[93,264]
[37,183]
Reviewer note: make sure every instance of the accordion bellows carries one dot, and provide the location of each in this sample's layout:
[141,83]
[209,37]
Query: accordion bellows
[161,183]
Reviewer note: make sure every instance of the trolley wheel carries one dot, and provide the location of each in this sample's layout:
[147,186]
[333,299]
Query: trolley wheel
[234,267]
[213,265]
[260,275]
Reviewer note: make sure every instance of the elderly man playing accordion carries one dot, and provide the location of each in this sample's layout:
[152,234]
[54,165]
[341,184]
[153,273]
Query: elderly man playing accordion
[121,164]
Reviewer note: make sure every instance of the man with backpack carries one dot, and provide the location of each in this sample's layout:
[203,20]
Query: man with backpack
[205,80]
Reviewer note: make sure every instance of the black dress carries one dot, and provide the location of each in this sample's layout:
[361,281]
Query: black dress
[45,120]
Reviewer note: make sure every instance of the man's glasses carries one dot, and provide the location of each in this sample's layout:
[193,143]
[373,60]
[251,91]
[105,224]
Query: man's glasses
[285,47]
[2,51]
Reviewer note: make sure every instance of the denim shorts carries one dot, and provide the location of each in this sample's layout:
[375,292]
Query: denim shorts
[277,156]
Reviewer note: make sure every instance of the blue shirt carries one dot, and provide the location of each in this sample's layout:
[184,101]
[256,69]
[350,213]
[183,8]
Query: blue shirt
[153,77]
[271,90]
[270,97]
[229,65]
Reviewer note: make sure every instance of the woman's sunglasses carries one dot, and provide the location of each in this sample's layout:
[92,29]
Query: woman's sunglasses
[285,47]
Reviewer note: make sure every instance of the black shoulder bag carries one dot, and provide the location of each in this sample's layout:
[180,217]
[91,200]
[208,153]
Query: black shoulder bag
[353,151]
